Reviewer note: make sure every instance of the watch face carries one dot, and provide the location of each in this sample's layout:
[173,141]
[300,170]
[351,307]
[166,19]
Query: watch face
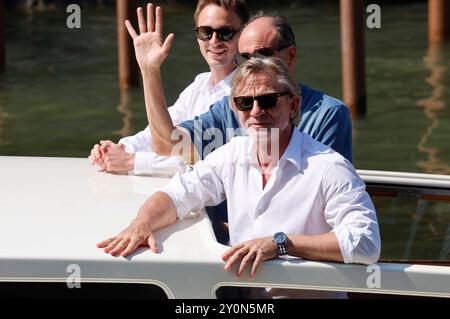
[279,238]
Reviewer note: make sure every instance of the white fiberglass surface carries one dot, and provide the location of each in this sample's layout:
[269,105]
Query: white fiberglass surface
[61,207]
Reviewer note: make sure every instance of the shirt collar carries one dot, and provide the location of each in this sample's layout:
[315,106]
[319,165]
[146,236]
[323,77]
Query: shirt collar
[293,152]
[224,85]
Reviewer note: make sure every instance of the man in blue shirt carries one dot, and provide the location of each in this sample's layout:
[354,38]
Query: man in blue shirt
[324,118]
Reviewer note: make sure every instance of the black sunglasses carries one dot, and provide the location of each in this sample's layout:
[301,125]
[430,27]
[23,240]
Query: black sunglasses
[205,33]
[265,101]
[260,53]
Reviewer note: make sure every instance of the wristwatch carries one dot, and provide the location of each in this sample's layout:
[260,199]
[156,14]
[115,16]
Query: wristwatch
[280,239]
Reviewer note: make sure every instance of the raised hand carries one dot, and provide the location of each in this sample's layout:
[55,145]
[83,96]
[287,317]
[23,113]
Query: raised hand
[150,47]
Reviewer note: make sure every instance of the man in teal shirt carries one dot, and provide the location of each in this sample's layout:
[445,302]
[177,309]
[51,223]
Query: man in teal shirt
[324,118]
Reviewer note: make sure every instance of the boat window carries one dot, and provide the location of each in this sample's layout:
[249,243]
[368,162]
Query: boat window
[414,223]
[230,292]
[59,290]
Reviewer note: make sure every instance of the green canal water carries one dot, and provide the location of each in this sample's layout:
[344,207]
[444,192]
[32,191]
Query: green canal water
[59,96]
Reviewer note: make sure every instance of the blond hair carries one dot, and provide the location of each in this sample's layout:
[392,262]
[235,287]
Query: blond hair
[276,69]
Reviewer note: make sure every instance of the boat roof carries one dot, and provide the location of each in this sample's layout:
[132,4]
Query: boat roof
[54,210]
[59,208]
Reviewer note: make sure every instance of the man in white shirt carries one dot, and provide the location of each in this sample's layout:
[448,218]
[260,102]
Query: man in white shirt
[286,193]
[218,28]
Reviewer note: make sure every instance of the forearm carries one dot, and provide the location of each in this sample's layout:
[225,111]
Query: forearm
[158,211]
[160,123]
[167,140]
[324,247]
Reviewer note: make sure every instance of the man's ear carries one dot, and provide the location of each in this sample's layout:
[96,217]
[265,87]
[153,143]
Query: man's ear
[295,105]
[292,56]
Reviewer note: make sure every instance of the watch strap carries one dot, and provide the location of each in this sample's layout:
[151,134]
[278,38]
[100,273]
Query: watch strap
[282,249]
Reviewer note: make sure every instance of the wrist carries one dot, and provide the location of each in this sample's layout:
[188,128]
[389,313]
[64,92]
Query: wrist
[280,240]
[131,159]
[150,72]
[142,217]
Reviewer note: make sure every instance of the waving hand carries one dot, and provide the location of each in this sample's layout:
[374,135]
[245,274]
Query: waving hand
[150,47]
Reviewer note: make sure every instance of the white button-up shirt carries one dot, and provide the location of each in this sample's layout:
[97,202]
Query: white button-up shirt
[194,100]
[312,190]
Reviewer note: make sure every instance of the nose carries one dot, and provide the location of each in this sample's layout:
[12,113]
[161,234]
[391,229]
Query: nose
[215,38]
[256,109]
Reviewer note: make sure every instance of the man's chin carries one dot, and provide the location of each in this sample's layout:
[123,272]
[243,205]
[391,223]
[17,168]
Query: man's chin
[261,133]
[217,60]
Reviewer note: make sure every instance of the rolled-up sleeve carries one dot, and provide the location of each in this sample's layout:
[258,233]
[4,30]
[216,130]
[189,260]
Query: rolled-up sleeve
[203,186]
[351,214]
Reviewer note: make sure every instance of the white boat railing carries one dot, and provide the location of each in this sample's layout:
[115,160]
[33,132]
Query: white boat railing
[199,272]
[404,178]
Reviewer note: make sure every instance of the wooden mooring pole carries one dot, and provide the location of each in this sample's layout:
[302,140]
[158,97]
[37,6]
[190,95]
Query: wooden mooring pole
[128,69]
[438,20]
[353,56]
[2,35]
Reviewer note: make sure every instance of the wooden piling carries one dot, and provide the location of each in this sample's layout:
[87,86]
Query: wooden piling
[438,21]
[2,36]
[128,69]
[353,56]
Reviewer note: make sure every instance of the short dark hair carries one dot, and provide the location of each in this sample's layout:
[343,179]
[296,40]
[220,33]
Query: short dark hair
[286,36]
[238,6]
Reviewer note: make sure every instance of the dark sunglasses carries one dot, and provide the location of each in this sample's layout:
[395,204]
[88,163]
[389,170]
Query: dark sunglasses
[205,33]
[265,101]
[260,53]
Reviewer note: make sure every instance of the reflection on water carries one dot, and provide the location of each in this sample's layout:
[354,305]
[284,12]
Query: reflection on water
[3,119]
[437,62]
[31,6]
[124,108]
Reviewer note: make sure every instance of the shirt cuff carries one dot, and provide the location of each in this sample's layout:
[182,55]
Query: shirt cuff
[129,148]
[150,163]
[142,161]
[175,191]
[357,247]
[346,243]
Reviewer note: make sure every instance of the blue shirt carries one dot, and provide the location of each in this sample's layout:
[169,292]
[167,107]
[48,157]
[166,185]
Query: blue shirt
[324,118]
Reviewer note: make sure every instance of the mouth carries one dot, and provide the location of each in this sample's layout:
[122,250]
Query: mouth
[216,52]
[260,125]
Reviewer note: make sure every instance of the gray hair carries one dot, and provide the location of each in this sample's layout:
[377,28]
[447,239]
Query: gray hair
[276,69]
